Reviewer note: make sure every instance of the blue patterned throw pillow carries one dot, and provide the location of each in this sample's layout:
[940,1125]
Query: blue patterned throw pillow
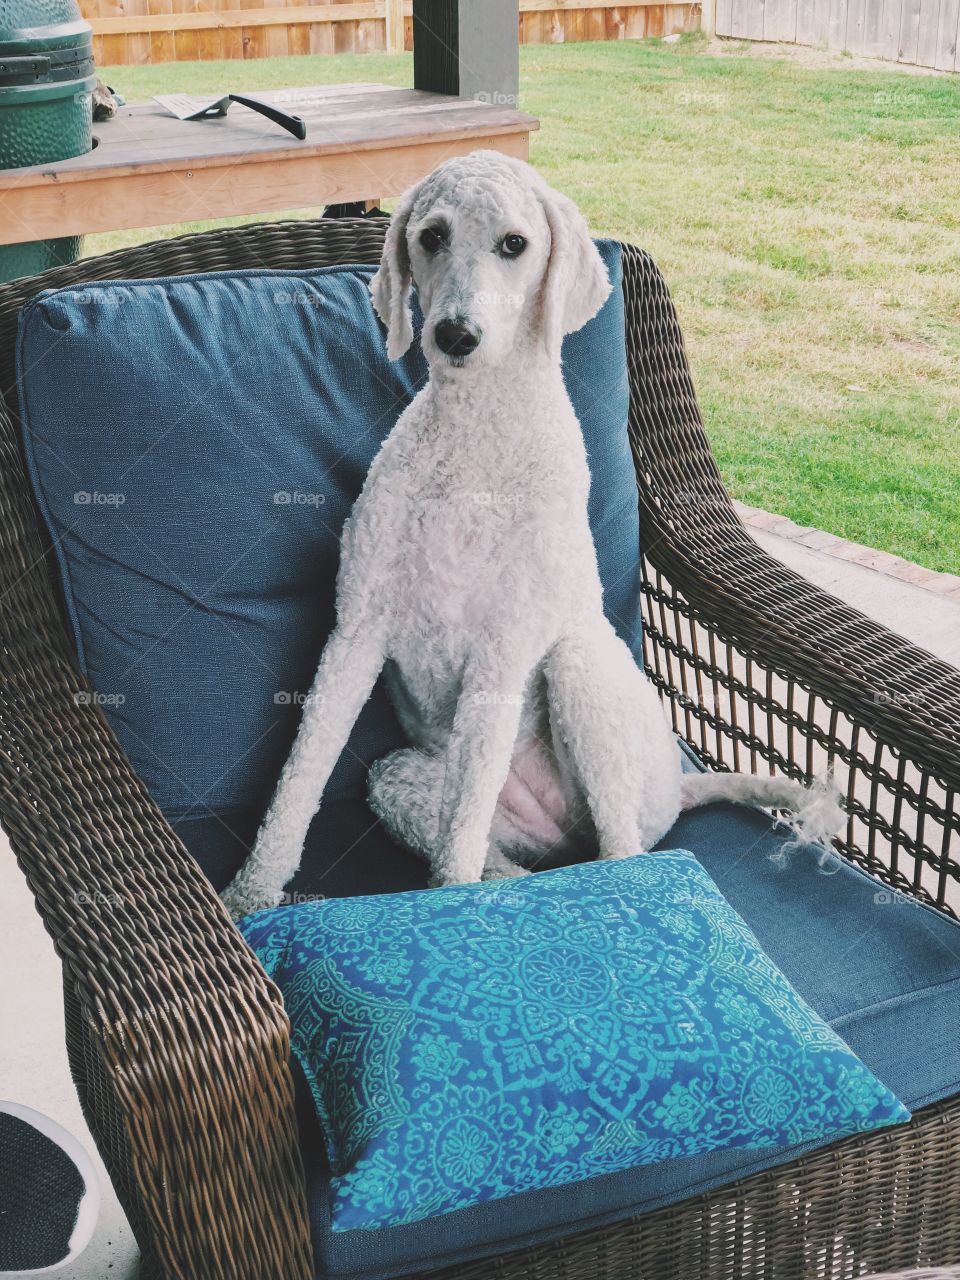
[469,1043]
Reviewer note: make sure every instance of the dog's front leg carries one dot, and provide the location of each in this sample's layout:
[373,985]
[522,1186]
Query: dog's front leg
[348,670]
[478,761]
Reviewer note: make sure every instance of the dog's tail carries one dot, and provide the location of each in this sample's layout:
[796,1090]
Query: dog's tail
[813,813]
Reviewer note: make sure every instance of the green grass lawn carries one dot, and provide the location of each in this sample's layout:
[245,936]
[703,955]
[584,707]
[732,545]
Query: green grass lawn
[808,222]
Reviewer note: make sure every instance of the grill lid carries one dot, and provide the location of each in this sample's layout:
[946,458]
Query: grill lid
[43,41]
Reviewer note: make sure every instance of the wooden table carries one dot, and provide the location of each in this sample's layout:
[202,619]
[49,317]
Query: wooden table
[149,169]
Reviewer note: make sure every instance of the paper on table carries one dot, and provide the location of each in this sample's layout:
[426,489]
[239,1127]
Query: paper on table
[186,106]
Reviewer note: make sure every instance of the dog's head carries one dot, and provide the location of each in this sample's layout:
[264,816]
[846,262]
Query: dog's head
[500,260]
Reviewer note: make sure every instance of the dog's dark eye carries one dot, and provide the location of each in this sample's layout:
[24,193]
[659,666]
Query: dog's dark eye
[513,245]
[431,239]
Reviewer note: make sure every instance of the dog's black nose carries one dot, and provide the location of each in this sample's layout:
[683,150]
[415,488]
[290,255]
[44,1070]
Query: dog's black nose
[456,337]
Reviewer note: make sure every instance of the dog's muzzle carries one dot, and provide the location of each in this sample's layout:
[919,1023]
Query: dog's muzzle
[456,337]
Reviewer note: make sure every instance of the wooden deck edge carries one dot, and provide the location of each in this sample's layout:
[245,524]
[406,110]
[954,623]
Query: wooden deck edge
[46,176]
[292,181]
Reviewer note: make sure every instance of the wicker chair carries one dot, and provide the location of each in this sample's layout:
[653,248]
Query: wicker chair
[178,1043]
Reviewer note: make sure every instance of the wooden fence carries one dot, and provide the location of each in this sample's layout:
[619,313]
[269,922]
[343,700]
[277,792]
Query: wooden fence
[924,32]
[138,31]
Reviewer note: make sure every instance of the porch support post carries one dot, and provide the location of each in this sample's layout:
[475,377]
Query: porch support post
[468,48]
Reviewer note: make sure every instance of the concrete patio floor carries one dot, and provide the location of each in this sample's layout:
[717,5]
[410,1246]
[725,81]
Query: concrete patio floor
[33,1067]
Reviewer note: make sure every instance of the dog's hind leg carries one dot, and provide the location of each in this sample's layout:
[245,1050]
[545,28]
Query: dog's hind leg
[404,790]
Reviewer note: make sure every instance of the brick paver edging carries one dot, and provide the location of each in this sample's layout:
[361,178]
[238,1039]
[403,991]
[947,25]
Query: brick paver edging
[944,584]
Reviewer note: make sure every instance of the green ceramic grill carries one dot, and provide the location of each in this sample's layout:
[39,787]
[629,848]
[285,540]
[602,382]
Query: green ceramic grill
[46,113]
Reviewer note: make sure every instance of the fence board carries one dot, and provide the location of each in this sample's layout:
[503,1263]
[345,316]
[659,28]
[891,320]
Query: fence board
[113,47]
[162,43]
[322,37]
[872,28]
[677,17]
[616,24]
[298,33]
[888,34]
[186,40]
[276,38]
[636,23]
[909,31]
[393,28]
[568,6]
[945,56]
[748,19]
[137,48]
[806,21]
[197,15]
[209,41]
[254,44]
[780,19]
[344,37]
[927,34]
[531,23]
[837,32]
[824,15]
[813,23]
[209,45]
[856,12]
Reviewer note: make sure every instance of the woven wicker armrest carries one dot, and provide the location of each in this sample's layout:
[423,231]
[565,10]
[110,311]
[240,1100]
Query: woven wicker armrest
[178,1042]
[693,534]
[761,667]
[764,670]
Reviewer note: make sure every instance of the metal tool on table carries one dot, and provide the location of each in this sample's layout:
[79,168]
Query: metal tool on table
[188,107]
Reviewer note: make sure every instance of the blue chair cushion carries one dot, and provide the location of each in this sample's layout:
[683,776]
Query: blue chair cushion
[881,970]
[195,445]
[467,1044]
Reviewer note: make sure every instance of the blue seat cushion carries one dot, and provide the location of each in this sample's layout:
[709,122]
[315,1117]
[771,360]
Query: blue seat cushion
[347,851]
[195,445]
[883,972]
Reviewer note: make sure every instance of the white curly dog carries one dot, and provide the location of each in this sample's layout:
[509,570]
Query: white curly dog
[468,574]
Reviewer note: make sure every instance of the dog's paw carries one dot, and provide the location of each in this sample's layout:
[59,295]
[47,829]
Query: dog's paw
[505,871]
[244,896]
[443,877]
[444,880]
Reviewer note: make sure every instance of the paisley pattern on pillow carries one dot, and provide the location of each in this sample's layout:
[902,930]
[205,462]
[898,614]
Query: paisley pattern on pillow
[469,1043]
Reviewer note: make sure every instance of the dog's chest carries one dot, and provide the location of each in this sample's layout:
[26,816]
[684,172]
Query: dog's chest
[458,550]
[461,513]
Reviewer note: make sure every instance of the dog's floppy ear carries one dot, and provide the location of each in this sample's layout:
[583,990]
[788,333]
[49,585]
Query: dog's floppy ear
[390,287]
[576,284]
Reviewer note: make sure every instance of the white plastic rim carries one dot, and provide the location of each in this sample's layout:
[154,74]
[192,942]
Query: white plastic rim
[89,1209]
[924,1273]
